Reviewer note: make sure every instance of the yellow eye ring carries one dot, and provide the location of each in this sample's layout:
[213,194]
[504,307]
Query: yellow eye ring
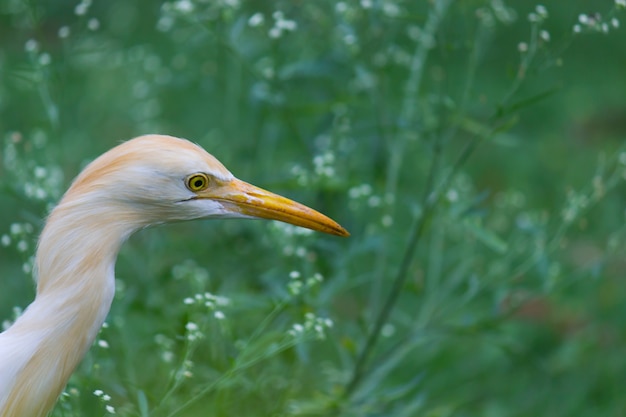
[197,182]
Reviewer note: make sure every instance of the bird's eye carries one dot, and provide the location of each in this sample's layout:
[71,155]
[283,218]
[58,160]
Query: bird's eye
[197,182]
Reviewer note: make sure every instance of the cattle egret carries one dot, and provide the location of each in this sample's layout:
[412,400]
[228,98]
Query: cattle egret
[148,180]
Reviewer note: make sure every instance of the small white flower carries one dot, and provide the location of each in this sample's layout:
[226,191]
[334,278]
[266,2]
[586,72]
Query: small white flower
[103,344]
[387,220]
[93,24]
[167,356]
[605,27]
[541,11]
[414,32]
[294,287]
[40,172]
[106,397]
[110,409]
[81,9]
[388,330]
[294,274]
[453,195]
[219,315]
[40,193]
[31,45]
[545,35]
[22,246]
[98,392]
[188,301]
[6,240]
[374,201]
[275,33]
[64,32]
[584,19]
[191,326]
[615,22]
[341,7]
[366,4]
[165,23]
[256,19]
[184,6]
[285,24]
[577,29]
[44,59]
[391,9]
[222,301]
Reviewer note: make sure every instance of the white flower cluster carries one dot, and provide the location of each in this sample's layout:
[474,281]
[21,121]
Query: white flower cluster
[281,25]
[296,284]
[207,300]
[323,170]
[576,202]
[82,8]
[20,235]
[364,192]
[211,301]
[37,182]
[167,346]
[312,326]
[185,370]
[539,15]
[105,399]
[32,47]
[193,331]
[595,23]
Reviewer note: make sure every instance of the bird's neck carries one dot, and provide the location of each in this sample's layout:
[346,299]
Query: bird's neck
[75,265]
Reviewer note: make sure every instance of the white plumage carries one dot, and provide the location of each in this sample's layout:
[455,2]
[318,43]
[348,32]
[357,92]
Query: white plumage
[148,180]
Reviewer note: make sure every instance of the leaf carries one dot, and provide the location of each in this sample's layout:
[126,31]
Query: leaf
[474,127]
[494,133]
[488,238]
[518,105]
[142,402]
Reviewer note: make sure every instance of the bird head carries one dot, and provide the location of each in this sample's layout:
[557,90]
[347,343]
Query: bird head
[155,179]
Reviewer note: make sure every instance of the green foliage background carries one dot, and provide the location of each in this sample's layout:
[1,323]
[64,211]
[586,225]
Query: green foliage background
[472,148]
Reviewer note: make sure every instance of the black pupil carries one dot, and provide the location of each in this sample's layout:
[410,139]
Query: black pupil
[198,183]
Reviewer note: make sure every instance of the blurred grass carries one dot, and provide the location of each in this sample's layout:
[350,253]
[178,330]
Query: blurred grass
[384,115]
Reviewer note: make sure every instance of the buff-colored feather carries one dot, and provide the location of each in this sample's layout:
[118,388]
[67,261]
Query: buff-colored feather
[139,183]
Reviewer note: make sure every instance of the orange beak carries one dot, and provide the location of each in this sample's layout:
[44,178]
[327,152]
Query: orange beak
[244,198]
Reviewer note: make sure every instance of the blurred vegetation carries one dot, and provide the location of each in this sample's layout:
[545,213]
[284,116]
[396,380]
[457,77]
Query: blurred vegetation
[473,149]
